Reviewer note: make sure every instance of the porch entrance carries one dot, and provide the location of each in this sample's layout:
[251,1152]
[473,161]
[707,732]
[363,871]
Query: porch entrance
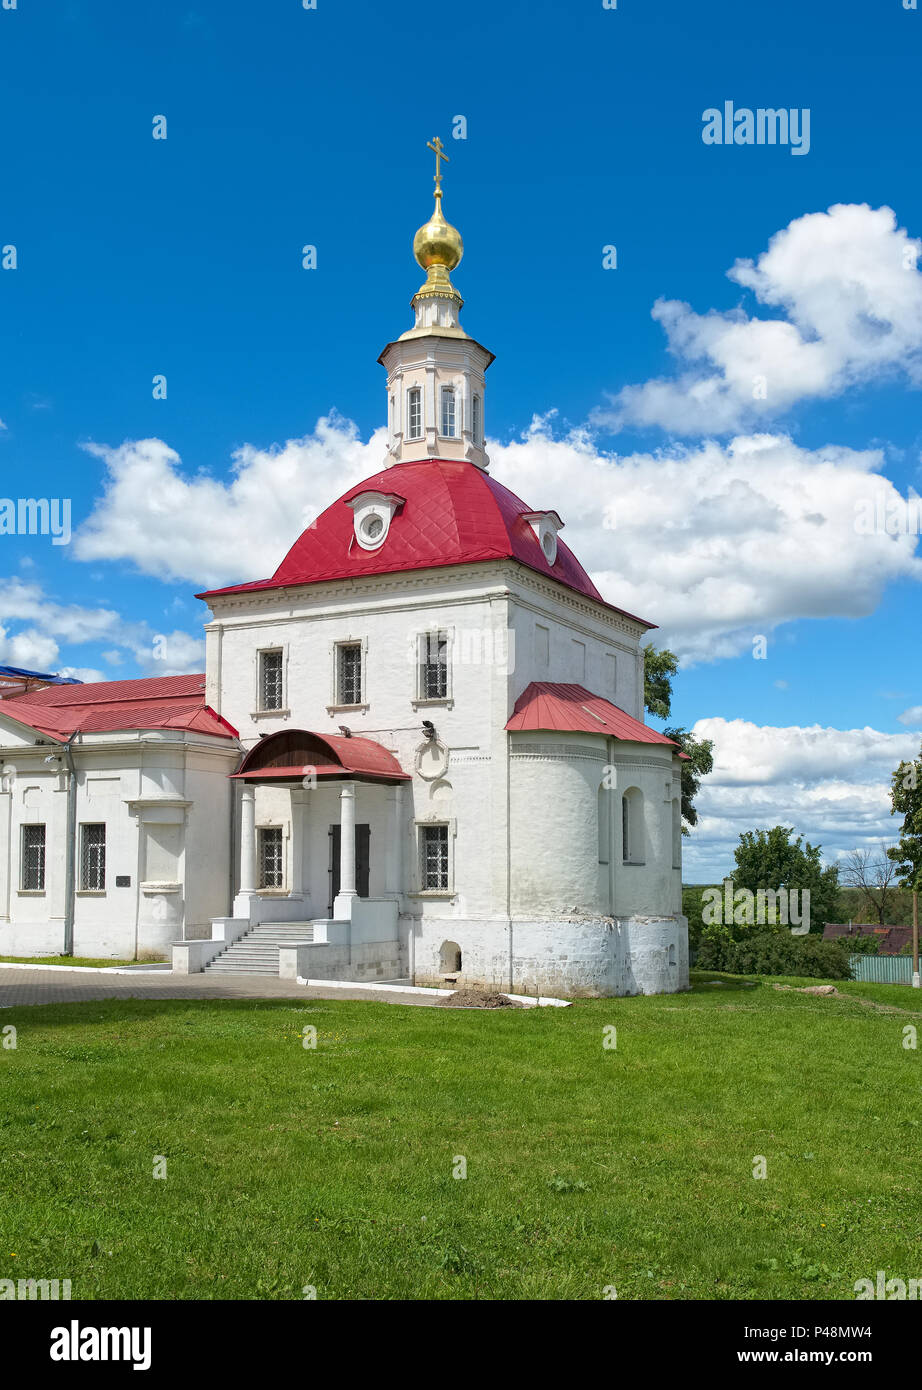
[362,860]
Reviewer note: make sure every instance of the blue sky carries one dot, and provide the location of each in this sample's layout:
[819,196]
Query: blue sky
[584,129]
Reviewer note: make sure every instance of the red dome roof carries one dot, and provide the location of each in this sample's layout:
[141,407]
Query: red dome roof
[452,513]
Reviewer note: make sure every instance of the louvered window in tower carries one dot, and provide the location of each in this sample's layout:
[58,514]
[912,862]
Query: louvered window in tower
[448,412]
[414,413]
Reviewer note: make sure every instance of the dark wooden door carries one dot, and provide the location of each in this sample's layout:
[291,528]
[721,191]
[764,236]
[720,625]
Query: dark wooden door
[362,862]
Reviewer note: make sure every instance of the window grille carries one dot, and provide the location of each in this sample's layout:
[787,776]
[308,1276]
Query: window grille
[33,858]
[271,861]
[433,671]
[434,844]
[93,858]
[270,681]
[350,674]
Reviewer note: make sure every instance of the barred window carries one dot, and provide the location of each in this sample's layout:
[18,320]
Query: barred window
[434,855]
[414,413]
[270,680]
[271,857]
[448,412]
[32,869]
[349,674]
[475,419]
[433,666]
[92,858]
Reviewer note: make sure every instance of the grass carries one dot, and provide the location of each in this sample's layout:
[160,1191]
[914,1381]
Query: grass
[73,960]
[586,1167]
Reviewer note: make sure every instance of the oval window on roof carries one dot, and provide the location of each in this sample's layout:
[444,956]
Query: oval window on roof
[373,513]
[549,545]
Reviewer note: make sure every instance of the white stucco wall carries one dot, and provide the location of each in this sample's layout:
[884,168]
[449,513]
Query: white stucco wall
[522,810]
[163,798]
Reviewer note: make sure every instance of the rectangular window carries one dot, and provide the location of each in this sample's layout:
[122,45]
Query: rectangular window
[414,413]
[448,412]
[32,869]
[270,850]
[349,674]
[433,666]
[475,419]
[92,858]
[434,856]
[270,680]
[542,645]
[579,660]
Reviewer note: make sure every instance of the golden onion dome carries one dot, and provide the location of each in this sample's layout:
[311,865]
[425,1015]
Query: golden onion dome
[438,243]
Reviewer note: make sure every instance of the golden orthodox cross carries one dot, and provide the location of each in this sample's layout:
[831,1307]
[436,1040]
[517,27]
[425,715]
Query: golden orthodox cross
[437,147]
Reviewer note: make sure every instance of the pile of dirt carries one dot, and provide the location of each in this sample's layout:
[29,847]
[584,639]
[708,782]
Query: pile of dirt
[479,999]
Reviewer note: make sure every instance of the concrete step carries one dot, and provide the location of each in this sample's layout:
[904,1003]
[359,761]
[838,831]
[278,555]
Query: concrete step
[228,968]
[257,951]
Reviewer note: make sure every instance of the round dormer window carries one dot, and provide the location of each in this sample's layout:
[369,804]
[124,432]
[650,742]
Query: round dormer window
[373,513]
[373,528]
[549,545]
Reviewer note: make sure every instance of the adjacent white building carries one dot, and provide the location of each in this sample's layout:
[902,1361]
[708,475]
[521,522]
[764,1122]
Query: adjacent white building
[417,752]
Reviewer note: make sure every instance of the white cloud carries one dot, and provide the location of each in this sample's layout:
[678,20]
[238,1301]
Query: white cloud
[204,531]
[51,624]
[847,285]
[831,785]
[715,544]
[30,649]
[170,654]
[27,602]
[718,544]
[912,716]
[87,674]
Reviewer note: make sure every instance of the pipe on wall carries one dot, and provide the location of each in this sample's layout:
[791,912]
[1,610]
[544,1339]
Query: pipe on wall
[70,854]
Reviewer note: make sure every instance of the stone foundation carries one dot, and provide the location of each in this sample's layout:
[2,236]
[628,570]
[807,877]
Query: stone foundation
[593,958]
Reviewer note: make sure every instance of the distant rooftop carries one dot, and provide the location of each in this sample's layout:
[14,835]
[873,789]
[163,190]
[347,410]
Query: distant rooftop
[18,673]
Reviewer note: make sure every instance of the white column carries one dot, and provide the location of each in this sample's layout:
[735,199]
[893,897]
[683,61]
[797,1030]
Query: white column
[394,876]
[298,796]
[342,907]
[247,889]
[7,868]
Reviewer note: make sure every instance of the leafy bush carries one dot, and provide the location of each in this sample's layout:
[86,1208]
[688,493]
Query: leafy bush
[775,953]
[859,945]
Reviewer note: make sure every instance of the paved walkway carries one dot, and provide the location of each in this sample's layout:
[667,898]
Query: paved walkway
[38,986]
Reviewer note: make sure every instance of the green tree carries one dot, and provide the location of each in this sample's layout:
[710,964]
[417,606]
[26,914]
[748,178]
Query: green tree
[771,859]
[659,667]
[906,800]
[700,762]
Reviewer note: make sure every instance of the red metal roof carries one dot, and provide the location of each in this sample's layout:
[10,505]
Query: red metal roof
[145,688]
[573,709]
[891,939]
[159,702]
[452,513]
[293,753]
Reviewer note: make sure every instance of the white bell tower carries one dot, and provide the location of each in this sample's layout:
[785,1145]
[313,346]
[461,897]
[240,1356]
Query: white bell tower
[435,371]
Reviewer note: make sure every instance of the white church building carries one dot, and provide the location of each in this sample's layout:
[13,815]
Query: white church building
[417,751]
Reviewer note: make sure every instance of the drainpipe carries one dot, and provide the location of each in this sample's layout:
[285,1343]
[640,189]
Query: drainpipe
[70,860]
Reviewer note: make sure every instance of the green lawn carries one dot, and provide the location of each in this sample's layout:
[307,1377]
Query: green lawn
[586,1167]
[69,960]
